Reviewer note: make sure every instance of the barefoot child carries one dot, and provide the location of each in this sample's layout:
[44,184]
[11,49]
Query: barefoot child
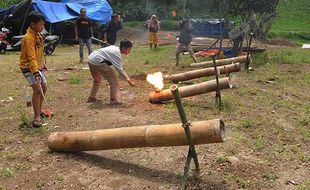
[100,64]
[32,63]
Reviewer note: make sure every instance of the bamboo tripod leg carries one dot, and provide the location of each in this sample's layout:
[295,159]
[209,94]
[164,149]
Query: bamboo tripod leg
[192,151]
[218,99]
[186,169]
[248,52]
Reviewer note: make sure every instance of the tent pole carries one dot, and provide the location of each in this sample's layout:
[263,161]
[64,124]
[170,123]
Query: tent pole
[49,31]
[21,30]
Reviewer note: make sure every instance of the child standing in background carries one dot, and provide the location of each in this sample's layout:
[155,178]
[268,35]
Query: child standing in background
[32,63]
[153,28]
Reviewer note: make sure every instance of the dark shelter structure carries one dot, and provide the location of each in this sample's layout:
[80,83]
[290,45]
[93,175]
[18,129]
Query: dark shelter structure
[60,16]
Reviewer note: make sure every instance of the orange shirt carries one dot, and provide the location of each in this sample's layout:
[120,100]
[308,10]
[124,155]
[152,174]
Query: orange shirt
[32,52]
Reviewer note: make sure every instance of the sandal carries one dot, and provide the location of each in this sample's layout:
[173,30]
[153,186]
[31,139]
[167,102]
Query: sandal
[36,123]
[46,115]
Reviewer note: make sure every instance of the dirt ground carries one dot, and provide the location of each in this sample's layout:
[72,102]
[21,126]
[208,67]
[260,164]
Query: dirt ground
[267,131]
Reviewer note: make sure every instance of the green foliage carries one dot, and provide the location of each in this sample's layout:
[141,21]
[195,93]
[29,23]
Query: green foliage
[170,25]
[7,172]
[134,12]
[133,24]
[222,158]
[73,79]
[283,56]
[241,182]
[247,123]
[8,3]
[270,176]
[305,185]
[259,142]
[289,56]
[302,36]
[292,21]
[9,155]
[25,120]
[256,16]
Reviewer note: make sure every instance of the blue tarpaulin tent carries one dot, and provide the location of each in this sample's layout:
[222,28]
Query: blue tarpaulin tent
[54,12]
[97,10]
[210,27]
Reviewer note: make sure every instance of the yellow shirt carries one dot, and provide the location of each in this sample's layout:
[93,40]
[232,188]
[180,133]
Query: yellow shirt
[32,52]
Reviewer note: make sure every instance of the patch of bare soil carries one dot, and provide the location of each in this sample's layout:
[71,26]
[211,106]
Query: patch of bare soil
[141,36]
[281,42]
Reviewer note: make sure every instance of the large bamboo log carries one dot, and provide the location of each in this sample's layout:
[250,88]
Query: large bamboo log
[191,90]
[221,62]
[225,69]
[203,132]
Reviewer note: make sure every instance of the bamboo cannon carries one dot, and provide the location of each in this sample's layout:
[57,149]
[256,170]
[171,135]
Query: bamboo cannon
[191,90]
[220,62]
[203,132]
[225,69]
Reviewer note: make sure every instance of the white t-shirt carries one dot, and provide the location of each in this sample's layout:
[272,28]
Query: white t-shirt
[112,54]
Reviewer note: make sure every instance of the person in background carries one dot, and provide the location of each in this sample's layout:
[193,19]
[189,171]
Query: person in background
[109,35]
[153,27]
[146,24]
[236,35]
[185,39]
[83,33]
[101,63]
[32,63]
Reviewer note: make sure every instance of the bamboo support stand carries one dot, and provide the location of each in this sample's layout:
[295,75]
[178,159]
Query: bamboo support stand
[248,61]
[186,124]
[218,99]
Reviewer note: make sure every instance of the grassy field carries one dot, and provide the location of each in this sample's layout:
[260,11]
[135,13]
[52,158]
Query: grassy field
[267,118]
[292,21]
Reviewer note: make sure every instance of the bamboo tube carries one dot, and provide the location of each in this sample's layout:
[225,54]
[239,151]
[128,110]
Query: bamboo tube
[220,62]
[191,90]
[225,69]
[203,132]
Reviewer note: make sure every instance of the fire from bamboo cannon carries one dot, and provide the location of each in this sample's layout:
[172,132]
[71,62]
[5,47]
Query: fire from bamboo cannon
[221,62]
[203,132]
[225,69]
[156,79]
[191,90]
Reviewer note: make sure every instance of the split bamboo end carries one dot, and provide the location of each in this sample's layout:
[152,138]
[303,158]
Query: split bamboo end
[173,87]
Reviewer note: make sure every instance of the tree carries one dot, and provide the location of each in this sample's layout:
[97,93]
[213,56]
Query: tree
[8,3]
[256,16]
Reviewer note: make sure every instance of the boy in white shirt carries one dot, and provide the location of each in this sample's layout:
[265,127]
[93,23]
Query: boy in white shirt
[100,64]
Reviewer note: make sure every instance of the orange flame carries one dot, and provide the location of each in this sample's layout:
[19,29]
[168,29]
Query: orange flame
[156,79]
